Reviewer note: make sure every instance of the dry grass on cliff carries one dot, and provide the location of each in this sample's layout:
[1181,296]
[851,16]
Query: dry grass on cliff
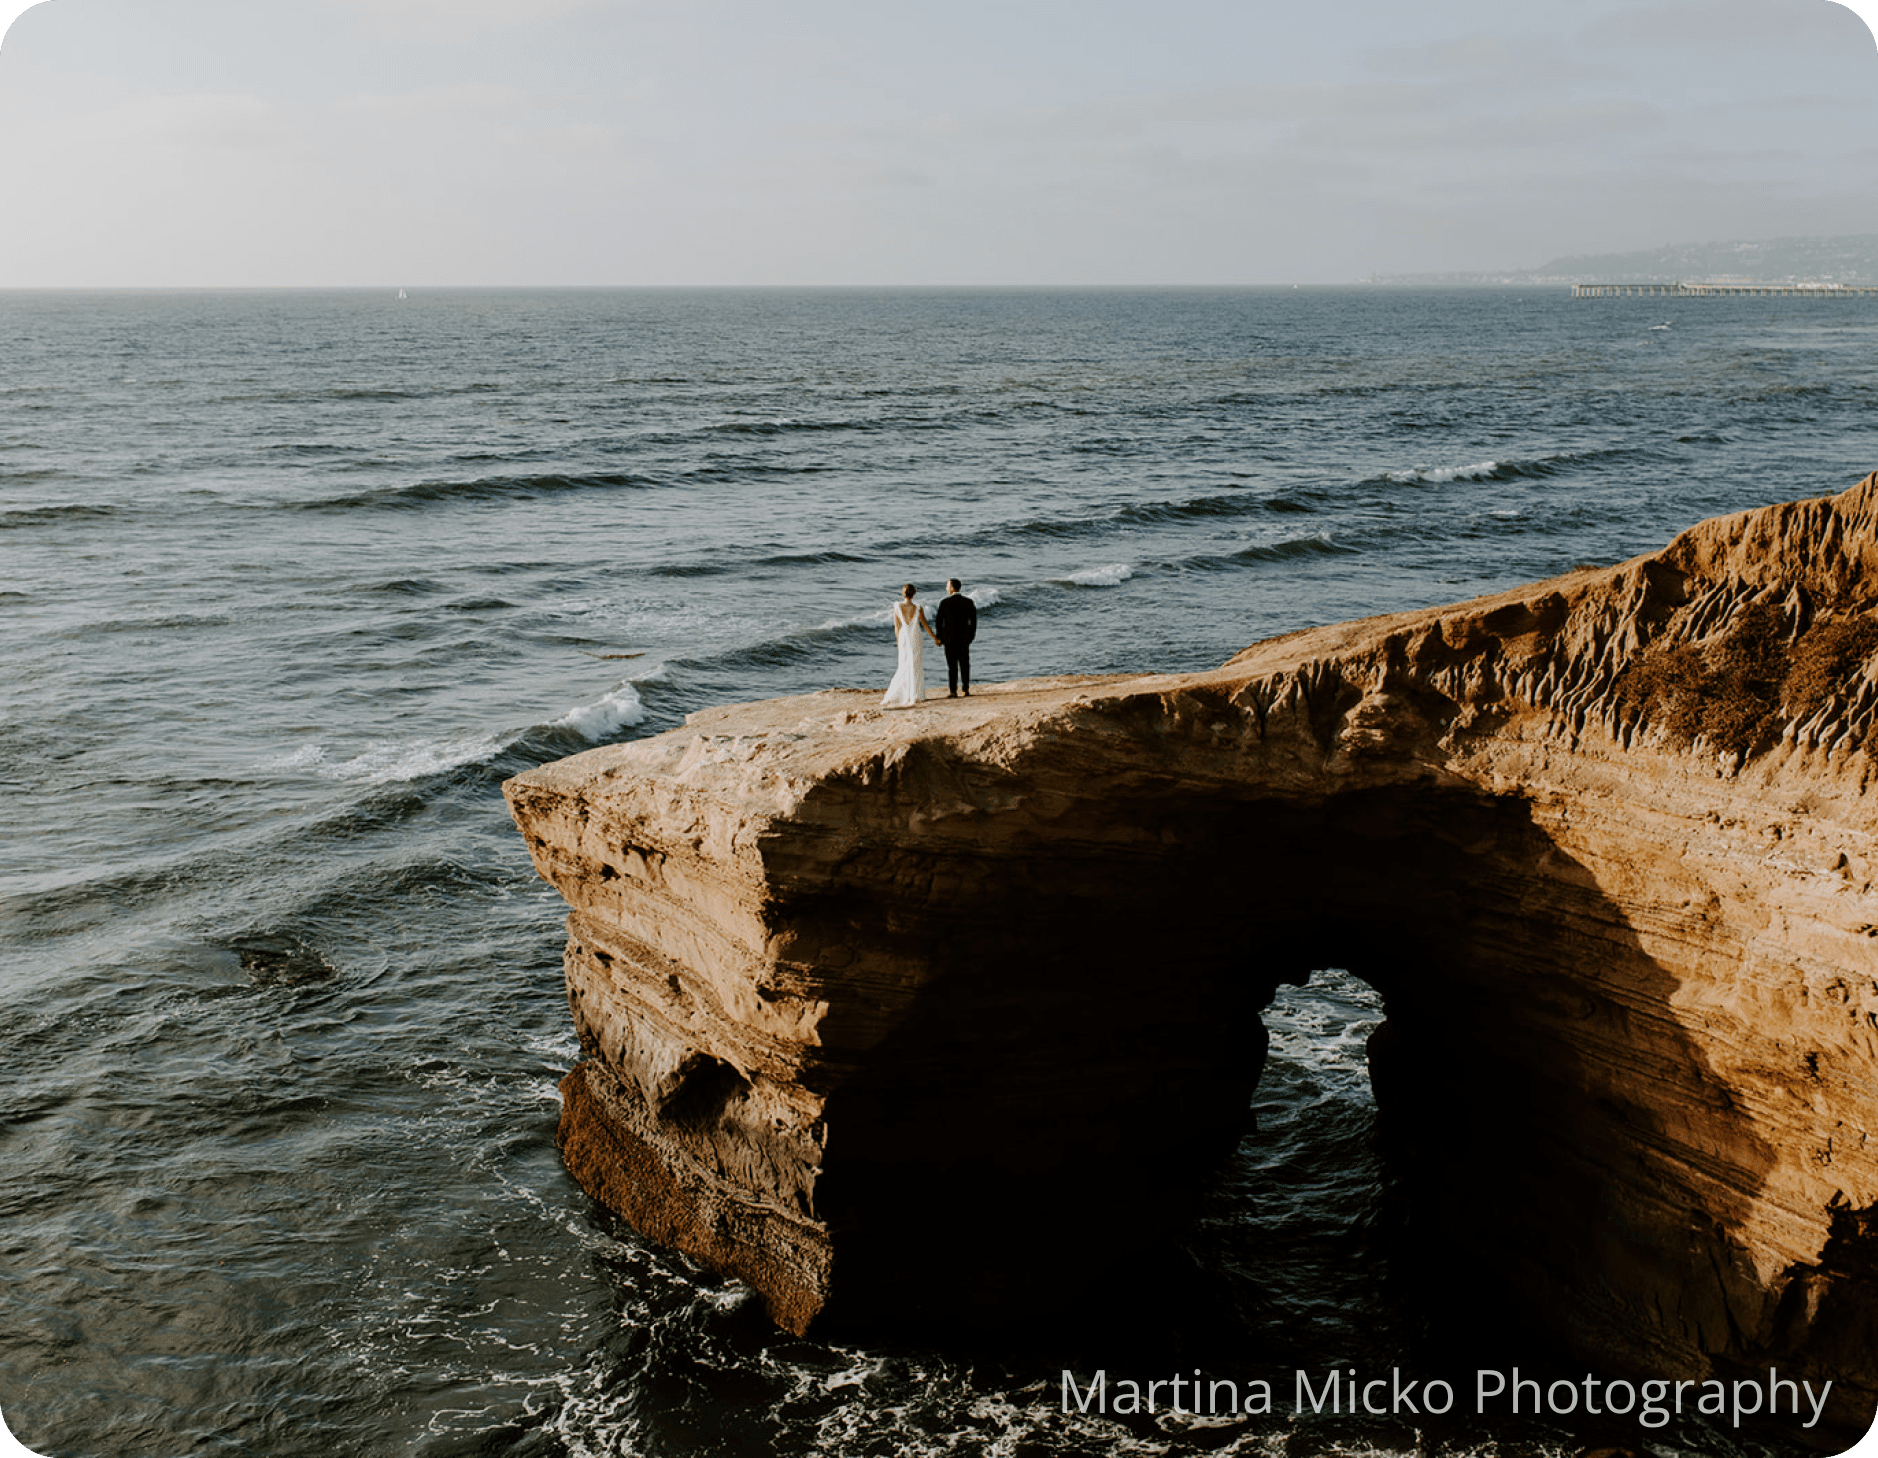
[1738,689]
[1824,657]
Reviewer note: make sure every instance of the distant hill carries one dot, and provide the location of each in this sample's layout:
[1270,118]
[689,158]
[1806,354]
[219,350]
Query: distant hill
[1846,260]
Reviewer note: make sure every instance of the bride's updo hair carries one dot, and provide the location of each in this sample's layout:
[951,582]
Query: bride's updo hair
[907,592]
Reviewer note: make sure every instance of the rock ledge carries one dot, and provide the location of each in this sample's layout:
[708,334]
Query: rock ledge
[946,1011]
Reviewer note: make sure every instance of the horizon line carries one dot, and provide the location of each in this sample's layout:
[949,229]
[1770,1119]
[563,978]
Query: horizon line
[197,288]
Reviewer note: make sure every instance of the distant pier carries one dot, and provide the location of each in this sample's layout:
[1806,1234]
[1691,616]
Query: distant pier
[1715,290]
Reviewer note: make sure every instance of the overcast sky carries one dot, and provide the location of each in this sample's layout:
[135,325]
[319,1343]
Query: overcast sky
[425,142]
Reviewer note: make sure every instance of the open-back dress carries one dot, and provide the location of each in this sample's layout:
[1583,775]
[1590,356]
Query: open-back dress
[909,680]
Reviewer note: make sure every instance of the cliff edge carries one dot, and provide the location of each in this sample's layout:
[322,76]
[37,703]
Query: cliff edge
[948,1010]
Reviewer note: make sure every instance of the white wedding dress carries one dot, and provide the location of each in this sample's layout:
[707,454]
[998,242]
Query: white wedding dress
[909,680]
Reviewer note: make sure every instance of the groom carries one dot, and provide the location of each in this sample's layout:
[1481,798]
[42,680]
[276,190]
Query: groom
[956,623]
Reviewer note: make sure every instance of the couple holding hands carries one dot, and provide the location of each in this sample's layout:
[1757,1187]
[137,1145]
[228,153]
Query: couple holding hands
[956,626]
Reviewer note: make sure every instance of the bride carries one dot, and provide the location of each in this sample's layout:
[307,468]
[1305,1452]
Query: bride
[910,631]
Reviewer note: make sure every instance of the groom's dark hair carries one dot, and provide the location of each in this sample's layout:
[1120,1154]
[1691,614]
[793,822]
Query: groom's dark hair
[953,584]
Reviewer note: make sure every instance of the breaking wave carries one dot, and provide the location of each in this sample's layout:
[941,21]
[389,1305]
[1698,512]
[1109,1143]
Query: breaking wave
[1536,468]
[395,761]
[1112,575]
[1318,544]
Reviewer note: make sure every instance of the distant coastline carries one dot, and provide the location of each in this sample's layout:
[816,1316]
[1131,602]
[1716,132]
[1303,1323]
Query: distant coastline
[1848,260]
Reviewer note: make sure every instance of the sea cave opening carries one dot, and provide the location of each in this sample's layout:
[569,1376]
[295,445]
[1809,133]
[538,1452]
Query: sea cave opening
[1426,1173]
[1300,1228]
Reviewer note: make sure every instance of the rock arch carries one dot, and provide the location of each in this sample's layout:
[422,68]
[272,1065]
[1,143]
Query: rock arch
[946,1011]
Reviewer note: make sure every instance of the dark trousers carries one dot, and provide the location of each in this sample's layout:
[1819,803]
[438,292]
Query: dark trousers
[958,667]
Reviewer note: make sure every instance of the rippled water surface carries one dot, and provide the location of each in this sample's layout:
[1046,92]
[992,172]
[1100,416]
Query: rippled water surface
[293,581]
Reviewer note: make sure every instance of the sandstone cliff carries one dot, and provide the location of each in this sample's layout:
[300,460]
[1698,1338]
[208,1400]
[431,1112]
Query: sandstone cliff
[940,1010]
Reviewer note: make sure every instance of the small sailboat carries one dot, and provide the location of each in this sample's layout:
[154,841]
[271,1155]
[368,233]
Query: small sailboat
[402,294]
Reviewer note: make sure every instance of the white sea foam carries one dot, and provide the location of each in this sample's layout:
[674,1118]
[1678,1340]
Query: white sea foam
[560,1048]
[306,757]
[595,721]
[387,760]
[879,617]
[1113,575]
[1481,471]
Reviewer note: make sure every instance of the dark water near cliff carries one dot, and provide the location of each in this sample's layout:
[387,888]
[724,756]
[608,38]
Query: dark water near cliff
[292,581]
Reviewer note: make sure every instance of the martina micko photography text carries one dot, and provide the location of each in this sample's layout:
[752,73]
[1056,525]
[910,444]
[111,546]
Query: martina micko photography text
[1654,1402]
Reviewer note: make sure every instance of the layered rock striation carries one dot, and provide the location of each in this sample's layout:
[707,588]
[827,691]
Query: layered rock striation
[944,1012]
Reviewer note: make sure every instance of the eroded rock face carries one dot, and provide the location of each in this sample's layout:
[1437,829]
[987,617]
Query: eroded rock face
[943,1011]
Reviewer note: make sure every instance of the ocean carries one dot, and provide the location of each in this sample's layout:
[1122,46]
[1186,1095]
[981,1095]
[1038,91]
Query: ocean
[291,581]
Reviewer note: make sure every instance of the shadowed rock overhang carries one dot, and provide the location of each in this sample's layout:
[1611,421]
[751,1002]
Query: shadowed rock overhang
[948,1011]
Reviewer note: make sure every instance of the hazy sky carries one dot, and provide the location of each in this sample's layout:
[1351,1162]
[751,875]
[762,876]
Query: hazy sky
[387,142]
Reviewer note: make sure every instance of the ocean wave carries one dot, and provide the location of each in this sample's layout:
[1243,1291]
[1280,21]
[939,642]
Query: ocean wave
[621,624]
[799,647]
[786,425]
[1112,575]
[478,605]
[1438,475]
[1198,508]
[407,586]
[404,761]
[722,467]
[1048,528]
[166,622]
[27,516]
[690,569]
[350,392]
[810,645]
[395,762]
[875,618]
[1799,390]
[487,488]
[1213,507]
[791,652]
[1114,445]
[615,711]
[1318,544]
[507,458]
[828,557]
[306,757]
[1514,469]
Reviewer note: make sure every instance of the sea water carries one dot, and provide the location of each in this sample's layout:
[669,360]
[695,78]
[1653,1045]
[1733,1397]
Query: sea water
[289,582]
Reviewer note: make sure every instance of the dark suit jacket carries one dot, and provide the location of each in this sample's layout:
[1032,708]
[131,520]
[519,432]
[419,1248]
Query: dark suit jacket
[956,620]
